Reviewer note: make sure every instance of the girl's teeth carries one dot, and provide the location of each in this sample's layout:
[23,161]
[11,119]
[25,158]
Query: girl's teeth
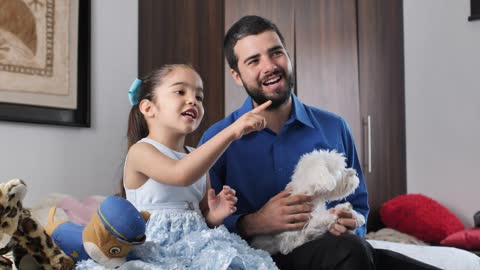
[189,114]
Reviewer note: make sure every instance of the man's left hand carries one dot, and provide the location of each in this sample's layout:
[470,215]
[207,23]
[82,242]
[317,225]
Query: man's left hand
[345,222]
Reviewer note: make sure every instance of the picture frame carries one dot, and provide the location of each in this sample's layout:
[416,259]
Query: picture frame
[79,114]
[474,10]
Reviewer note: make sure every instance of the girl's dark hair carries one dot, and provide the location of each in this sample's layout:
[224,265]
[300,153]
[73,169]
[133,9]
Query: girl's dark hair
[137,126]
[246,26]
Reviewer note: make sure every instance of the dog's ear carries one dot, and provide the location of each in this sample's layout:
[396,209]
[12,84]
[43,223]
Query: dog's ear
[326,179]
[350,172]
[350,176]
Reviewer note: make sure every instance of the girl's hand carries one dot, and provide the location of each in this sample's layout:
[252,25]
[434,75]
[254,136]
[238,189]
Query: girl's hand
[251,121]
[221,205]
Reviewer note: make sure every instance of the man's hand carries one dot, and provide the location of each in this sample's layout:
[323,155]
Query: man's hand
[345,222]
[282,212]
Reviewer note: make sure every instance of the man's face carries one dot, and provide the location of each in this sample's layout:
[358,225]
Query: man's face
[264,68]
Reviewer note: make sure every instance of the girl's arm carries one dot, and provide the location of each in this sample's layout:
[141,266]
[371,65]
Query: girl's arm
[215,208]
[144,159]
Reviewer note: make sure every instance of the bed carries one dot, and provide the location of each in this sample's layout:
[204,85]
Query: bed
[448,258]
[417,226]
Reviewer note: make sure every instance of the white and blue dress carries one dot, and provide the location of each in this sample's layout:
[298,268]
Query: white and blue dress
[177,234]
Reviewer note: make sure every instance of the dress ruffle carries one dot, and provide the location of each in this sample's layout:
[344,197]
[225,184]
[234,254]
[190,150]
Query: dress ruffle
[182,240]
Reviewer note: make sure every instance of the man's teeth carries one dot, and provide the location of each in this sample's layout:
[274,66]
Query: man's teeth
[272,81]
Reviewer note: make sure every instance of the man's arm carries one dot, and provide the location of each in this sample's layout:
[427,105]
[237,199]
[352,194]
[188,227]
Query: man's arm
[281,213]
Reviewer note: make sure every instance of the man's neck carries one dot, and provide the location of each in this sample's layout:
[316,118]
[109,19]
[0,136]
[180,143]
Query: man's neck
[276,118]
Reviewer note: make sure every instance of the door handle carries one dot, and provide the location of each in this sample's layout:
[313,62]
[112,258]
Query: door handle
[368,123]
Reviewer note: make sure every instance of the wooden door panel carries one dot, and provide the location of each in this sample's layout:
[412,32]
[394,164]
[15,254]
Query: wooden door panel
[185,31]
[327,60]
[279,12]
[382,87]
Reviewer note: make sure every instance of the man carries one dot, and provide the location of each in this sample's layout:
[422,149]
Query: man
[260,164]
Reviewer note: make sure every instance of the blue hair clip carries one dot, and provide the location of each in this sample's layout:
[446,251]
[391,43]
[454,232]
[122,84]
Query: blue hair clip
[133,91]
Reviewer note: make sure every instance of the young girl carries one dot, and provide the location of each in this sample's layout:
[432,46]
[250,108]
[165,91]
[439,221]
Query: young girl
[168,179]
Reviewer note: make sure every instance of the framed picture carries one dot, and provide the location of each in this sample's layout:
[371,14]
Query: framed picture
[45,61]
[474,10]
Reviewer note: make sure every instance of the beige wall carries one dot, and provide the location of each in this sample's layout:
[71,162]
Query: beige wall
[442,64]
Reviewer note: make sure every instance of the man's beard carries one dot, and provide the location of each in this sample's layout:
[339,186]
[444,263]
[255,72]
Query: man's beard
[259,97]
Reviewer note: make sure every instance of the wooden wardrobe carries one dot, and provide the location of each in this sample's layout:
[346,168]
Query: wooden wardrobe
[347,55]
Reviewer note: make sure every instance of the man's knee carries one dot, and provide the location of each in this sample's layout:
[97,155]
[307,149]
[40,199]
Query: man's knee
[355,244]
[352,243]
[355,252]
[347,251]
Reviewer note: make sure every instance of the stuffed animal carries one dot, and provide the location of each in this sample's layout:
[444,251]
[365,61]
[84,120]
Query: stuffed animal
[107,238]
[323,175]
[23,235]
[80,211]
[68,208]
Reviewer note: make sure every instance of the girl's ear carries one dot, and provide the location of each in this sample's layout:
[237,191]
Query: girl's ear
[146,108]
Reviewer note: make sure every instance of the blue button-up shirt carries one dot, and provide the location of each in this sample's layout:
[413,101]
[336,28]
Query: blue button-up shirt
[260,164]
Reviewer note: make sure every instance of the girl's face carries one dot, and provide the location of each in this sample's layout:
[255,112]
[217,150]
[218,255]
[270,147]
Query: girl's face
[178,103]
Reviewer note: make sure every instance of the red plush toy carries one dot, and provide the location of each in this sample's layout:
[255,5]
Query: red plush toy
[420,216]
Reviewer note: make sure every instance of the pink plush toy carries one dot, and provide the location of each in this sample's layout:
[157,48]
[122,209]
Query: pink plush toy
[80,212]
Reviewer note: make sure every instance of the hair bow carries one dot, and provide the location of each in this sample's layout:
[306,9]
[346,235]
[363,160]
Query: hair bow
[133,91]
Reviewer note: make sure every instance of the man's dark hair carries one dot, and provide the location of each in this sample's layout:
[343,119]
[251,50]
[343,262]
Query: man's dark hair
[246,26]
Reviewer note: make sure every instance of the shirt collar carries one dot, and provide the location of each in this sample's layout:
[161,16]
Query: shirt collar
[298,111]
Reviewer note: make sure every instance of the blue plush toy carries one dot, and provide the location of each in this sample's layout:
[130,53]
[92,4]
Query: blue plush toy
[107,238]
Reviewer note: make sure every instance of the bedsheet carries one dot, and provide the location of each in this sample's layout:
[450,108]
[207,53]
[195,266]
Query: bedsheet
[447,258]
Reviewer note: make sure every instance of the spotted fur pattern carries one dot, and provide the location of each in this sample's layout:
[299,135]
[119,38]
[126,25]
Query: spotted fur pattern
[27,236]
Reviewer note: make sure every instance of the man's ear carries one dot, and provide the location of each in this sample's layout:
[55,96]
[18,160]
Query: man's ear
[146,108]
[236,77]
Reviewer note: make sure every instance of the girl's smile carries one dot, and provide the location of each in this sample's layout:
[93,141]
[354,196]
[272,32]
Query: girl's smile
[190,114]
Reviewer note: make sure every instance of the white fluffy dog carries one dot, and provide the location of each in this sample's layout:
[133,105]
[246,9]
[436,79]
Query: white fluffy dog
[322,175]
